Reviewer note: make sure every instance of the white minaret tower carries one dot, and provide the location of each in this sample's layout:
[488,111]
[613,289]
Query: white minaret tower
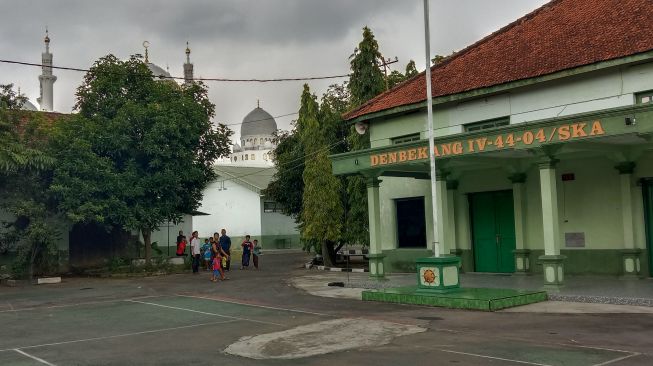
[188,67]
[46,79]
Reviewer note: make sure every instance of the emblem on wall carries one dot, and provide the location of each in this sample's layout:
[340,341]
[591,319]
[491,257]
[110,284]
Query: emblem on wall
[429,276]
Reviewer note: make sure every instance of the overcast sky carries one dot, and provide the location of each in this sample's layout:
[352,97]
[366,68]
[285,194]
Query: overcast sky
[236,39]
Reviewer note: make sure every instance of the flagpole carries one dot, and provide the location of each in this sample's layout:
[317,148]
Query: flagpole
[429,109]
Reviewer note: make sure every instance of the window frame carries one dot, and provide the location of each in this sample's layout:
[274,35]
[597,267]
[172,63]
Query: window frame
[488,124]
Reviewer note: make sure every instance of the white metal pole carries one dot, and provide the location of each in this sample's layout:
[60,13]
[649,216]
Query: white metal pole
[429,108]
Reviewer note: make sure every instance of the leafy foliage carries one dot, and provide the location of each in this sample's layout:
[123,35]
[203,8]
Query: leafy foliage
[16,152]
[321,216]
[287,185]
[139,151]
[367,79]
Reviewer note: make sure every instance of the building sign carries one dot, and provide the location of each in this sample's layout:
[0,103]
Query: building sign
[502,141]
[575,240]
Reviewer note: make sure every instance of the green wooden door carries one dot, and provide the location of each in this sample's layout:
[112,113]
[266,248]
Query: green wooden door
[647,190]
[493,231]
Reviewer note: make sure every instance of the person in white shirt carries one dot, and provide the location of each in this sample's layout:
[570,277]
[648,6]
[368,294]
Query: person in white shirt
[195,251]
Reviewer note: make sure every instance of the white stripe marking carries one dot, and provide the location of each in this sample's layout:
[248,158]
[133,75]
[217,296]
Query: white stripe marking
[493,358]
[254,305]
[34,357]
[77,304]
[617,359]
[117,335]
[205,313]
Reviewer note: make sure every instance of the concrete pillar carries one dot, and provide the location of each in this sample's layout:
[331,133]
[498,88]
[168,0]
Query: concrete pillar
[374,211]
[630,254]
[552,261]
[442,216]
[522,255]
[451,234]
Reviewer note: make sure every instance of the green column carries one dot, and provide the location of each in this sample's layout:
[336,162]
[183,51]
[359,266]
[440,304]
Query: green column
[451,234]
[374,211]
[630,254]
[442,216]
[552,261]
[522,255]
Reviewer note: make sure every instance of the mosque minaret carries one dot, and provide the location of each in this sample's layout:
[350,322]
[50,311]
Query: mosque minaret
[46,79]
[188,67]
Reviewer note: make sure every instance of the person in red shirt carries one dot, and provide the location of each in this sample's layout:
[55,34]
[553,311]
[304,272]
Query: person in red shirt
[181,247]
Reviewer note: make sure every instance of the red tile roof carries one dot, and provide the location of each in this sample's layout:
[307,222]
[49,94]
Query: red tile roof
[560,35]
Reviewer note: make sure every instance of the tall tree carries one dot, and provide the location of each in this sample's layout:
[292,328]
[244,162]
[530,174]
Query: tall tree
[139,152]
[367,79]
[321,216]
[287,185]
[366,82]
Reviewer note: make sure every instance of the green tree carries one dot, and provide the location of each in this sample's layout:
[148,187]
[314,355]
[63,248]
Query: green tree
[437,59]
[139,152]
[322,211]
[411,69]
[24,175]
[367,79]
[366,82]
[287,185]
[16,153]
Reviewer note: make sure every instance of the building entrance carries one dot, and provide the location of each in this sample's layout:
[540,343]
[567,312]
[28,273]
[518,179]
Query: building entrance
[493,231]
[411,223]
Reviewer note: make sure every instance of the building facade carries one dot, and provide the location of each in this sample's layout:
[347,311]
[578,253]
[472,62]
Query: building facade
[543,150]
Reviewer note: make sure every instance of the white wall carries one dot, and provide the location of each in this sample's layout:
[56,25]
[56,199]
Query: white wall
[236,209]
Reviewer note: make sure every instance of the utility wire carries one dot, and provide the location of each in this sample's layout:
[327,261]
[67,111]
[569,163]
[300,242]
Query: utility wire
[255,80]
[258,120]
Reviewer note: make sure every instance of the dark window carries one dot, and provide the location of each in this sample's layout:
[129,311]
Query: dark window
[485,125]
[270,207]
[411,223]
[404,139]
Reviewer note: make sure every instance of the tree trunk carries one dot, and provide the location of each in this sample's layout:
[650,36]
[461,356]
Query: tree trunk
[147,241]
[328,253]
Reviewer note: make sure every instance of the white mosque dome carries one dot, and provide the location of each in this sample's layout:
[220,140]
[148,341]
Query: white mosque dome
[157,70]
[258,122]
[28,106]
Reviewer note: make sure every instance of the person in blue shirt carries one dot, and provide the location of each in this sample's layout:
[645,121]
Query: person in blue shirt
[206,253]
[225,244]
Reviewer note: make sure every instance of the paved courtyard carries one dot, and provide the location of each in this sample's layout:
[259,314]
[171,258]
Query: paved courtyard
[260,318]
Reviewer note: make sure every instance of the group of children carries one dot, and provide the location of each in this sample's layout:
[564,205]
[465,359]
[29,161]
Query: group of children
[216,259]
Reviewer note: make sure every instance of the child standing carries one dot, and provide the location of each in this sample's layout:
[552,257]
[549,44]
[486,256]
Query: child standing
[247,251]
[217,265]
[206,254]
[255,253]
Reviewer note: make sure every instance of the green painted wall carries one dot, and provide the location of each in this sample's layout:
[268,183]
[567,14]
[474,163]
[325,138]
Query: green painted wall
[591,204]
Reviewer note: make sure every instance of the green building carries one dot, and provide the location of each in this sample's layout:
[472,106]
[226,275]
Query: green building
[543,144]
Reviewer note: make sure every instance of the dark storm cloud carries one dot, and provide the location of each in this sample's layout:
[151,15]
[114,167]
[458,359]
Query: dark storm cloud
[238,39]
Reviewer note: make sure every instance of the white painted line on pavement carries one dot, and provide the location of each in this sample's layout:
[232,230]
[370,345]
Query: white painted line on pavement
[205,313]
[493,358]
[34,357]
[117,335]
[617,359]
[13,310]
[254,305]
